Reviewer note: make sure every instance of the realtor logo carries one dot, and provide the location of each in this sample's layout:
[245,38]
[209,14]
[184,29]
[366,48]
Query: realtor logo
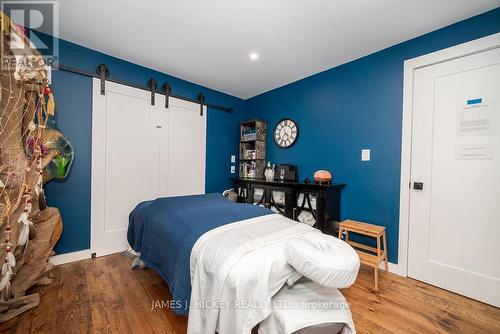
[36,21]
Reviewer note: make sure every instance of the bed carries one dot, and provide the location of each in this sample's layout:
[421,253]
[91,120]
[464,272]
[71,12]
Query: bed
[209,249]
[165,230]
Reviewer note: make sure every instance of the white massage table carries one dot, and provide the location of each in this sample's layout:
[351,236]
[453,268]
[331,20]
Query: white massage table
[260,260]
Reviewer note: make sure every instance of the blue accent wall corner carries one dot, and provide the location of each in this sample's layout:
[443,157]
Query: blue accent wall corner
[355,106]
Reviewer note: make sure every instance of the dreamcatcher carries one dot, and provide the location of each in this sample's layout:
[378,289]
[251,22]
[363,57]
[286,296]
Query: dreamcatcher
[32,152]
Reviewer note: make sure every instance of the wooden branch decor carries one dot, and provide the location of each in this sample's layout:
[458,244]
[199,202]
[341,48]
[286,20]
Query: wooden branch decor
[30,154]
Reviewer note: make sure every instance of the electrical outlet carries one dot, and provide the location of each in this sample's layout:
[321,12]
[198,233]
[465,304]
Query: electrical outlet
[233,169]
[365,154]
[233,158]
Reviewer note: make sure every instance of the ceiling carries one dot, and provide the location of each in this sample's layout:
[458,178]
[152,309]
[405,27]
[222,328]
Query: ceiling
[209,42]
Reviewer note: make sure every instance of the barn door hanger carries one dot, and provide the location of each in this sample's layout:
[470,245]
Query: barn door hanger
[166,89]
[152,87]
[103,72]
[201,100]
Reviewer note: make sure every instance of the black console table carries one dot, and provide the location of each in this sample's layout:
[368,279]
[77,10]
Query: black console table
[327,198]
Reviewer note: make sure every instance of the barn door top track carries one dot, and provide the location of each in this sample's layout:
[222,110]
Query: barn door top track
[102,73]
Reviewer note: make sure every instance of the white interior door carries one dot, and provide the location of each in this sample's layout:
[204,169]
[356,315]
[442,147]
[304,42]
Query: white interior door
[120,162]
[178,148]
[187,147]
[140,152]
[455,219]
[159,148]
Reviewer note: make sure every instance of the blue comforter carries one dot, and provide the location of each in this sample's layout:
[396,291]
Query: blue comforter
[166,229]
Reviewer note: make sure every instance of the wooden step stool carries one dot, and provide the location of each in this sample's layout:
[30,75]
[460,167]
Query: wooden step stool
[375,231]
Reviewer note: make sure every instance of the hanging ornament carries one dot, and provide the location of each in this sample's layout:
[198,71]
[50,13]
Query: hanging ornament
[26,224]
[60,165]
[51,105]
[32,126]
[39,171]
[9,264]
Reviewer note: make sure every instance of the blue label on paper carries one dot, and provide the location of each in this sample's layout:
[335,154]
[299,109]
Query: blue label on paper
[475,101]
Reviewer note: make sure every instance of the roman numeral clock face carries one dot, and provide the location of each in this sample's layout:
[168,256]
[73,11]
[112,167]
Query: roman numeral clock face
[286,133]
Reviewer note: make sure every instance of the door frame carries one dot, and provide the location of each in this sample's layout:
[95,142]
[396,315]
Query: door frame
[410,66]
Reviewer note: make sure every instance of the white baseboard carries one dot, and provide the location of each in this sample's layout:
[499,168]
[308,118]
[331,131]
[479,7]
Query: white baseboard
[393,268]
[70,257]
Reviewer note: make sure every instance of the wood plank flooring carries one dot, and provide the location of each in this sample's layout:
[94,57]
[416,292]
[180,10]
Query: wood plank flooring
[104,296]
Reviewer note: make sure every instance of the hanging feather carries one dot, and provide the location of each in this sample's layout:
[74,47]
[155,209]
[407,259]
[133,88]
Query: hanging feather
[51,105]
[24,234]
[5,291]
[5,282]
[5,268]
[5,278]
[39,184]
[38,189]
[5,294]
[23,217]
[11,259]
[39,180]
[25,229]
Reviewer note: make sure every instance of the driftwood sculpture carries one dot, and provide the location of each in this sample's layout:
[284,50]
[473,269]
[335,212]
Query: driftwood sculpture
[28,230]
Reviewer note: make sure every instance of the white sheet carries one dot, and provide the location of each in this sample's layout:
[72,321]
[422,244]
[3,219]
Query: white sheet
[307,304]
[236,269]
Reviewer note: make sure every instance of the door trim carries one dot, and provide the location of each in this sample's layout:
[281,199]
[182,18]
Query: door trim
[70,257]
[454,52]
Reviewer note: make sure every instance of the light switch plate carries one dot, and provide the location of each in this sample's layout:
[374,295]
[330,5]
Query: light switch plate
[233,169]
[233,158]
[365,154]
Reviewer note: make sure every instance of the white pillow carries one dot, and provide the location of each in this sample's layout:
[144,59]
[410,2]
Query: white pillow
[324,259]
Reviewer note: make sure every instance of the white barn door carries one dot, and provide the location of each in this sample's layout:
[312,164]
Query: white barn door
[187,146]
[455,173]
[140,152]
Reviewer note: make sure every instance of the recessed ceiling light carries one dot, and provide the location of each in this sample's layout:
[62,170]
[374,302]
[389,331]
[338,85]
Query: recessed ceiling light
[254,56]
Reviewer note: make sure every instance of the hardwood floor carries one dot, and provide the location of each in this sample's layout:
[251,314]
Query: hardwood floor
[104,296]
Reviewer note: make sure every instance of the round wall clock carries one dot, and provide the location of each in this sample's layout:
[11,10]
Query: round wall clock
[286,133]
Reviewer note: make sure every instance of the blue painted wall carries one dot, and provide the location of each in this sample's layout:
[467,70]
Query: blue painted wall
[340,111]
[73,95]
[354,106]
